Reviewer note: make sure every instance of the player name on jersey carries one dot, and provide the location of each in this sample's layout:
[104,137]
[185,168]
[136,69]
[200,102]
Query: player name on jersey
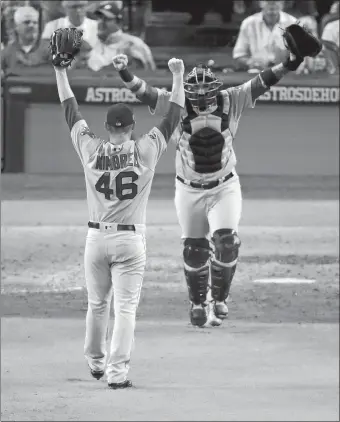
[116,161]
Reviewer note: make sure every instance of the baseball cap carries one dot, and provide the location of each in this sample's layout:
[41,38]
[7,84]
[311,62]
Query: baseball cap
[110,9]
[25,13]
[119,116]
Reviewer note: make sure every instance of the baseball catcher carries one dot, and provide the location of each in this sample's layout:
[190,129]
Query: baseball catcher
[65,44]
[208,194]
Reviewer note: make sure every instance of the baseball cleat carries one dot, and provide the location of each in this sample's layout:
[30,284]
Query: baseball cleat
[97,374]
[221,310]
[120,385]
[198,315]
[213,319]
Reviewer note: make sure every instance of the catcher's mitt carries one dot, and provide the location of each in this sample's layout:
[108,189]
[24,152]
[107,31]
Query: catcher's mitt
[300,41]
[65,44]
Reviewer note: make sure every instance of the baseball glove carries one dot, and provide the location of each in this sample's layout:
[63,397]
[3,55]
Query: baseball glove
[65,44]
[301,42]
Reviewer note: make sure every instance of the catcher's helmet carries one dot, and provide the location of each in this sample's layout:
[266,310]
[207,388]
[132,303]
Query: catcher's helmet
[201,87]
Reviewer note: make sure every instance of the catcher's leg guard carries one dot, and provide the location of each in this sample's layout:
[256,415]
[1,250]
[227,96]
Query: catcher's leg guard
[223,266]
[196,256]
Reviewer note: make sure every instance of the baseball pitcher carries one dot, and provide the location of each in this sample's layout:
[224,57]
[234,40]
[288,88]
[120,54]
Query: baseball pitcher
[208,196]
[118,174]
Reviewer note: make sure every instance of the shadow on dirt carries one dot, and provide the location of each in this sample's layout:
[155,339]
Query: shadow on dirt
[308,303]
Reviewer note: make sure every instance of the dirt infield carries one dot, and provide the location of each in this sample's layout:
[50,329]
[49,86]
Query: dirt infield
[276,358]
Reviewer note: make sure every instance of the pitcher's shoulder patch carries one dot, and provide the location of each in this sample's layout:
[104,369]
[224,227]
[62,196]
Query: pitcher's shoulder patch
[85,130]
[153,134]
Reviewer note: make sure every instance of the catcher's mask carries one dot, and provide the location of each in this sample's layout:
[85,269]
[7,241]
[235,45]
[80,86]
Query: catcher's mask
[201,87]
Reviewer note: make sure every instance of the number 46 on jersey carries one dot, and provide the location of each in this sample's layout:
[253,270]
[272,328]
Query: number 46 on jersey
[104,182]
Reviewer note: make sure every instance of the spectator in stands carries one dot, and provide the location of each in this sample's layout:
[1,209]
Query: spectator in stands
[198,10]
[75,12]
[25,50]
[305,12]
[112,40]
[8,7]
[260,43]
[51,10]
[330,38]
[331,16]
[75,17]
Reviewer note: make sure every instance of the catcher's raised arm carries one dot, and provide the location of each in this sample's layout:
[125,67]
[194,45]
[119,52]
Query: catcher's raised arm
[300,43]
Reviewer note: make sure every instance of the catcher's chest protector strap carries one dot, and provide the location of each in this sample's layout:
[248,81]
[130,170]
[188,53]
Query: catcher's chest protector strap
[186,122]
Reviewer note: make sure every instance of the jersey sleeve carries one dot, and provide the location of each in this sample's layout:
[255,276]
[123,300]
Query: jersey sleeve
[150,147]
[162,105]
[84,141]
[240,97]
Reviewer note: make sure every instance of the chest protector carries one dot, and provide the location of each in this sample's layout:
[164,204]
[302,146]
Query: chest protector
[206,143]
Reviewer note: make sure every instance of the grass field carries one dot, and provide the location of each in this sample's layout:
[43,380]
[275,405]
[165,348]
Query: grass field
[275,358]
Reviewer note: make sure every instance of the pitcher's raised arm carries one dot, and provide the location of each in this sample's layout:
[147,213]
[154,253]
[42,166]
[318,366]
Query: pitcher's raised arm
[154,143]
[157,99]
[177,100]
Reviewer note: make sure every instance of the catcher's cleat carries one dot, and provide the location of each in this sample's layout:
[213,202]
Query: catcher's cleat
[120,385]
[198,315]
[213,319]
[221,309]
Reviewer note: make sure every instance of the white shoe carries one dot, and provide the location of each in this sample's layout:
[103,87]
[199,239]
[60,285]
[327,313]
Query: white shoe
[213,320]
[221,310]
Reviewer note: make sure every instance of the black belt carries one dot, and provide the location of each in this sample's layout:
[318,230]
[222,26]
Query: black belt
[120,227]
[208,185]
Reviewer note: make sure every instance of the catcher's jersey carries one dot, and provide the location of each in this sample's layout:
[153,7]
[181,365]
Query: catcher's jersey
[118,177]
[234,101]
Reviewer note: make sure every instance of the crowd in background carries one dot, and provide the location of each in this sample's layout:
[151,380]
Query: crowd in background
[112,27]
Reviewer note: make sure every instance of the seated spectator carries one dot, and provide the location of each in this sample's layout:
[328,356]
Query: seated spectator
[8,7]
[305,12]
[75,17]
[112,40]
[260,43]
[51,10]
[25,50]
[331,16]
[330,39]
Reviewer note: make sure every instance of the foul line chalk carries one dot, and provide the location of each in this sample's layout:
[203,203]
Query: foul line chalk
[30,291]
[284,281]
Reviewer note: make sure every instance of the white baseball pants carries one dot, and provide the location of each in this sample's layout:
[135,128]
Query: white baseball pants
[201,212]
[114,264]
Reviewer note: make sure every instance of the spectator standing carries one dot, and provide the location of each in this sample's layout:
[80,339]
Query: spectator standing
[260,43]
[112,40]
[25,50]
[75,17]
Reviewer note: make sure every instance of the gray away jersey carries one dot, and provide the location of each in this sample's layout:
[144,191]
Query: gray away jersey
[118,177]
[236,99]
